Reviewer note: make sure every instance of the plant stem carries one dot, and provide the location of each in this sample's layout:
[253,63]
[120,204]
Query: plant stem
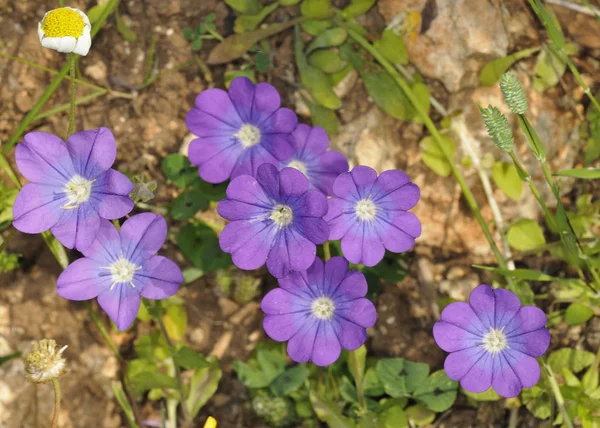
[72,95]
[9,171]
[437,137]
[326,251]
[56,412]
[64,107]
[157,316]
[560,401]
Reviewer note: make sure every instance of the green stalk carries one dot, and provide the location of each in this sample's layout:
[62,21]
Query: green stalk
[560,401]
[72,95]
[326,251]
[9,171]
[56,411]
[67,106]
[437,137]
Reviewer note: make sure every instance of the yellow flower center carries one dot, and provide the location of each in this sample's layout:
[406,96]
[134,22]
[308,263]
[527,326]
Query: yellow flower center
[63,22]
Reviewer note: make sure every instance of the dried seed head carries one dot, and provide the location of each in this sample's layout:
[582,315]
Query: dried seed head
[513,93]
[498,128]
[45,361]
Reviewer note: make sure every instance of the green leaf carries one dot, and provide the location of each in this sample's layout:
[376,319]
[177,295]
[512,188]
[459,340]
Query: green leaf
[262,62]
[6,358]
[314,27]
[289,2]
[392,47]
[237,45]
[573,359]
[326,61]
[491,72]
[433,156]
[200,245]
[95,12]
[188,33]
[550,22]
[315,9]
[197,44]
[328,38]
[525,235]
[578,313]
[489,395]
[438,392]
[179,170]
[590,379]
[175,319]
[289,381]
[357,8]
[393,417]
[117,388]
[186,205]
[400,377]
[586,174]
[419,415]
[203,385]
[191,274]
[329,412]
[548,70]
[232,74]
[250,374]
[125,31]
[249,7]
[537,401]
[372,386]
[259,372]
[348,391]
[271,362]
[245,23]
[533,140]
[189,359]
[356,361]
[144,381]
[325,118]
[507,178]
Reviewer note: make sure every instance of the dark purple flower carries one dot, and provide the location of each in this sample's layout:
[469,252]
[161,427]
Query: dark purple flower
[369,214]
[319,165]
[492,341]
[274,218]
[239,130]
[319,311]
[121,267]
[72,186]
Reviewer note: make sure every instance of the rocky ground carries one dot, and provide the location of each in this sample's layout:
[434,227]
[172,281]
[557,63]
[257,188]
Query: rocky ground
[455,40]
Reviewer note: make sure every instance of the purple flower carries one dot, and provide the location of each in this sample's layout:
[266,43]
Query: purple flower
[492,341]
[369,214]
[239,130]
[121,267]
[319,311]
[72,186]
[274,218]
[319,165]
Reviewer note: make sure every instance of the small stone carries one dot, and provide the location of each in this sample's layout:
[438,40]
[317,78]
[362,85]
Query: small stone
[97,71]
[227,306]
[197,336]
[23,101]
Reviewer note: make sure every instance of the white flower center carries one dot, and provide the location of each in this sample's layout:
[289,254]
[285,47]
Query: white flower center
[365,210]
[322,308]
[78,191]
[122,271]
[249,135]
[494,341]
[282,215]
[299,165]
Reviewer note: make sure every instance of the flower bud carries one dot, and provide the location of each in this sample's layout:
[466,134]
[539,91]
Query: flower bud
[45,362]
[513,93]
[498,128]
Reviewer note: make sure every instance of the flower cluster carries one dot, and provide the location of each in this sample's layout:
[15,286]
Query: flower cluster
[74,193]
[277,203]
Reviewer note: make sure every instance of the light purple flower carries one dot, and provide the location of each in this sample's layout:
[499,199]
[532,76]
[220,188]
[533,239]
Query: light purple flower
[72,186]
[319,165]
[274,218]
[239,130]
[369,214]
[492,341]
[121,267]
[319,311]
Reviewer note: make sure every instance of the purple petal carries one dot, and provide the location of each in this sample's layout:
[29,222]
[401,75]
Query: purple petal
[330,165]
[314,276]
[364,177]
[313,204]
[533,343]
[234,210]
[77,228]
[160,278]
[404,198]
[106,249]
[248,242]
[315,230]
[528,318]
[360,312]
[344,187]
[461,314]
[315,141]
[268,177]
[206,125]
[299,284]
[280,301]
[362,245]
[339,222]
[44,158]
[505,382]
[241,93]
[353,286]
[507,305]
[398,235]
[93,152]
[351,335]
[282,327]
[37,207]
[247,190]
[292,182]
[300,346]
[326,349]
[112,194]
[122,304]
[525,367]
[473,367]
[143,233]
[451,338]
[483,302]
[291,251]
[283,121]
[81,280]
[215,156]
[218,104]
[279,146]
[266,101]
[336,270]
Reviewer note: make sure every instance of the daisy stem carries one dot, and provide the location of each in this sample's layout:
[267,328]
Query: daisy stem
[56,412]
[72,92]
[469,197]
[326,251]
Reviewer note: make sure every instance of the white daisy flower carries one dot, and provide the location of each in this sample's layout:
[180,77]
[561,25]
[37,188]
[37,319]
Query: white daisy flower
[66,29]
